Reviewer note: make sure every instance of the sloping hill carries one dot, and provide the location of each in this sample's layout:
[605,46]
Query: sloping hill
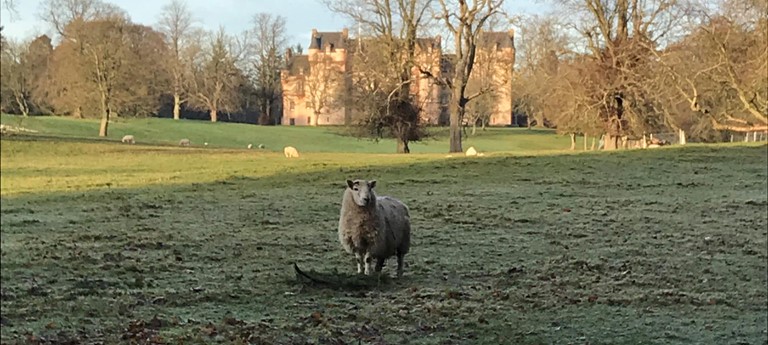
[155,131]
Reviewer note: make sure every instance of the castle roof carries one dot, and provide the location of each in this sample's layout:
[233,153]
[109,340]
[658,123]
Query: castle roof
[298,63]
[322,40]
[504,39]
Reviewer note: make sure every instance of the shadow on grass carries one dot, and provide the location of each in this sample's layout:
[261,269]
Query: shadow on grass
[341,281]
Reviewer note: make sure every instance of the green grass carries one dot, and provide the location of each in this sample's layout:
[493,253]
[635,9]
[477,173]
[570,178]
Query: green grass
[155,131]
[103,242]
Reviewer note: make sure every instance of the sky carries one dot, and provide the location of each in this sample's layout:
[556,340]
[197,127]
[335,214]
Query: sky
[235,15]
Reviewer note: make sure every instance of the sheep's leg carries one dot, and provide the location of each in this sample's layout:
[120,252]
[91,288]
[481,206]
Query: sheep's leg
[379,264]
[359,258]
[368,262]
[400,257]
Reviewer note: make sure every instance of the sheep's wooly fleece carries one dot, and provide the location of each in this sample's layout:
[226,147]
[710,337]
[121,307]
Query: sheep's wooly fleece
[290,151]
[372,227]
[471,151]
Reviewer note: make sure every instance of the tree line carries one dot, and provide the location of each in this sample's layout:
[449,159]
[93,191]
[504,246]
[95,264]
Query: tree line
[104,65]
[611,69]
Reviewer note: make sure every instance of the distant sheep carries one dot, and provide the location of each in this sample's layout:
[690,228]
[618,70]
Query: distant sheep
[250,146]
[129,139]
[373,227]
[261,146]
[184,142]
[290,151]
[471,151]
[205,143]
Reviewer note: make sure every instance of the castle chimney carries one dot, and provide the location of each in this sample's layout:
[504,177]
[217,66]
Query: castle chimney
[314,33]
[345,33]
[288,54]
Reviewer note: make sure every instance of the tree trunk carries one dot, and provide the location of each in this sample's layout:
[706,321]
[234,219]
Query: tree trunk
[402,146]
[176,106]
[455,122]
[611,142]
[214,115]
[573,141]
[593,143]
[483,123]
[104,127]
[682,136]
[474,128]
[586,137]
[23,106]
[78,114]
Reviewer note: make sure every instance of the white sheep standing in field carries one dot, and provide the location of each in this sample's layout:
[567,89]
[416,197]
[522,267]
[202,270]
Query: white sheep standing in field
[373,227]
[184,142]
[290,151]
[129,139]
[250,146]
[471,151]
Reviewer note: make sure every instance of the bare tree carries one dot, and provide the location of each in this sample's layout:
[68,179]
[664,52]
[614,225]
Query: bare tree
[391,28]
[323,85]
[15,76]
[719,71]
[96,28]
[177,23]
[618,37]
[542,46]
[465,23]
[268,41]
[214,76]
[67,16]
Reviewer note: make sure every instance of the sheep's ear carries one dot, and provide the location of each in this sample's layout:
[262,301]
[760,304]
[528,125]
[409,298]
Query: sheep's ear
[371,184]
[350,183]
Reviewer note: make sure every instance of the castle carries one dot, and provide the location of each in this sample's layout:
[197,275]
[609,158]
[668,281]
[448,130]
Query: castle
[309,81]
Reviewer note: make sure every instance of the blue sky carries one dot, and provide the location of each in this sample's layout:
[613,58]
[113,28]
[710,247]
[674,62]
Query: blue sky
[234,15]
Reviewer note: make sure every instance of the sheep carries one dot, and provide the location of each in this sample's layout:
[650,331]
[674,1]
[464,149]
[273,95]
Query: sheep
[290,151]
[373,227]
[471,151]
[184,142]
[250,146]
[261,146]
[129,139]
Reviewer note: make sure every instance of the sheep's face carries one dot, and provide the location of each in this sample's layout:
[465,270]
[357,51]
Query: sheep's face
[362,191]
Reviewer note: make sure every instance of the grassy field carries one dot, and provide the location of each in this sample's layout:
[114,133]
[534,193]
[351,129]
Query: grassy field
[155,131]
[114,243]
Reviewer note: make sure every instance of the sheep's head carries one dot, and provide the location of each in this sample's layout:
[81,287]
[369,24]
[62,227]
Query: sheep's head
[362,191]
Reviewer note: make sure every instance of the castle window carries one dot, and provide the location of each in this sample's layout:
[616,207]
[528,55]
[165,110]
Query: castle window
[293,105]
[333,48]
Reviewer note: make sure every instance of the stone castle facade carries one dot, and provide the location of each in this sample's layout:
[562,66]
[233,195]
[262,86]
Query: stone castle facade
[309,81]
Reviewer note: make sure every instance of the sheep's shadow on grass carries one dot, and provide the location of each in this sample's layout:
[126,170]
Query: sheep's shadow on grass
[342,281]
